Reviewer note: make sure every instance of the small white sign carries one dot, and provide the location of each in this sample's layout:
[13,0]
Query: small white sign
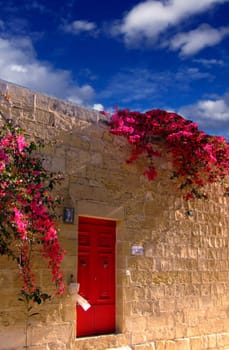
[137,250]
[83,302]
[73,289]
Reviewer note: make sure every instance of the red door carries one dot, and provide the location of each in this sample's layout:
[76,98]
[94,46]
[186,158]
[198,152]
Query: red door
[96,276]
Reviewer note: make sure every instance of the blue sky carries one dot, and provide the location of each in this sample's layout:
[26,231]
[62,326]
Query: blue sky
[168,54]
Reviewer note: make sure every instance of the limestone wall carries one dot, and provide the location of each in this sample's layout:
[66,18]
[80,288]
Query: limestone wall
[175,295]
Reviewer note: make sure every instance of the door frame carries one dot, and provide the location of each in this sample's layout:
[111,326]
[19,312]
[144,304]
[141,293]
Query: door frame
[101,211]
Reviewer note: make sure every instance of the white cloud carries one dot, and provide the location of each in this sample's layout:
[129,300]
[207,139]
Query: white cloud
[79,26]
[213,109]
[211,114]
[18,64]
[98,107]
[81,95]
[18,68]
[150,18]
[209,62]
[192,42]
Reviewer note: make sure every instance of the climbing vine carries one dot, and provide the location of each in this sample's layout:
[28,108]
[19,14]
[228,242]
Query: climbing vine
[27,207]
[198,158]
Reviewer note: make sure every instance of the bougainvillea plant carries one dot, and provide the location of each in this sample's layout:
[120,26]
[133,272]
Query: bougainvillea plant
[27,207]
[198,158]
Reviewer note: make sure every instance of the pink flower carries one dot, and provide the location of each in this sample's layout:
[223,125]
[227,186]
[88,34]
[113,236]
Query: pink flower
[6,140]
[21,223]
[130,120]
[2,166]
[21,143]
[3,155]
[193,151]
[50,234]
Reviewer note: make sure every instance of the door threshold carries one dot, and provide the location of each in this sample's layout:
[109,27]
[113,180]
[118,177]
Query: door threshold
[95,336]
[101,342]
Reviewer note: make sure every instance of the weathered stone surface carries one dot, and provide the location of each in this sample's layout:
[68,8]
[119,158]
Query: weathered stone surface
[173,297]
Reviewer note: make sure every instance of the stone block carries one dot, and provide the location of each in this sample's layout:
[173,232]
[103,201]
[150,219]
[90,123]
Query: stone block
[57,346]
[222,339]
[120,348]
[160,345]
[138,337]
[170,345]
[58,164]
[212,340]
[61,332]
[146,346]
[182,344]
[196,343]
[12,338]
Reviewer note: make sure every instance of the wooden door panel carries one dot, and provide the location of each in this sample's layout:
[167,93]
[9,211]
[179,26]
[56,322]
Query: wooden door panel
[106,240]
[85,322]
[96,275]
[97,320]
[106,287]
[84,275]
[104,319]
[84,240]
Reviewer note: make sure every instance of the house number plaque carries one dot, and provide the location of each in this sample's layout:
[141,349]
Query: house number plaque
[137,250]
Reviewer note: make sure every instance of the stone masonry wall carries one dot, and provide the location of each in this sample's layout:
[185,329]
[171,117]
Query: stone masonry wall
[173,297]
